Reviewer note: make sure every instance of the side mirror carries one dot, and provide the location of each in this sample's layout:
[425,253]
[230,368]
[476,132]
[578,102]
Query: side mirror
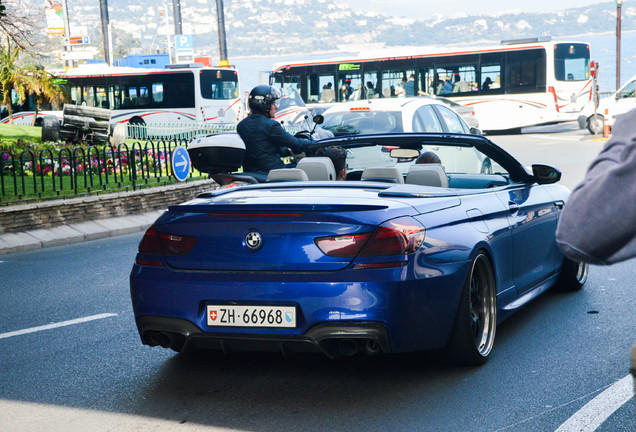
[476,131]
[318,119]
[545,174]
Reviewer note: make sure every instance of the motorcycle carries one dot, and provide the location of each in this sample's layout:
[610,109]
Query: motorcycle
[221,155]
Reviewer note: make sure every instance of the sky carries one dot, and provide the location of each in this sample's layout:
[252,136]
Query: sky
[424,9]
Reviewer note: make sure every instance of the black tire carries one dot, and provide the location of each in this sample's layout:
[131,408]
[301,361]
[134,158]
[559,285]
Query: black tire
[595,125]
[138,129]
[473,335]
[573,276]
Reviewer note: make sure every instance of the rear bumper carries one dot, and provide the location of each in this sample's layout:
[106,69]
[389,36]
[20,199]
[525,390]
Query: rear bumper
[331,340]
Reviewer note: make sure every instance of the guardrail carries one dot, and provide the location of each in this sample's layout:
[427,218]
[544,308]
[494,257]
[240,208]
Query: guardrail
[184,131]
[85,170]
[178,131]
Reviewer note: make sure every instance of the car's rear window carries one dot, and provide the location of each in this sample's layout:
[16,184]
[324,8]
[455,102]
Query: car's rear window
[363,122]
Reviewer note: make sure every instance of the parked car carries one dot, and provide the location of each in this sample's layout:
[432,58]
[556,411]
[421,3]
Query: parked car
[618,103]
[467,113]
[398,257]
[418,114]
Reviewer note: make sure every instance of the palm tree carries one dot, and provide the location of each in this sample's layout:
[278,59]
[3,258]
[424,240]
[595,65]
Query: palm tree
[13,76]
[19,77]
[45,87]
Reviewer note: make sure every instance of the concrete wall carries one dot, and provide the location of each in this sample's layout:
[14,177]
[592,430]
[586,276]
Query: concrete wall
[47,214]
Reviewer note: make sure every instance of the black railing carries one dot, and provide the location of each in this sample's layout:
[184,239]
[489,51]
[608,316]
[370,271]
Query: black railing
[85,170]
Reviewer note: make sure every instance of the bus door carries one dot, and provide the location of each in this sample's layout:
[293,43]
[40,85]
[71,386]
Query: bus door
[350,87]
[427,81]
[371,83]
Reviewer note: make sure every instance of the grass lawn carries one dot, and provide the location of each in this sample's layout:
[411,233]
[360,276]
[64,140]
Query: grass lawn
[9,134]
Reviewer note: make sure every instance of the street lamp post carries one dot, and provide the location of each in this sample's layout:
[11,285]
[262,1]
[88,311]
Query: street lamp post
[619,3]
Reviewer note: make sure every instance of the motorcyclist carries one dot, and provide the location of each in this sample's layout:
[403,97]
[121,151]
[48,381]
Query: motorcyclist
[264,138]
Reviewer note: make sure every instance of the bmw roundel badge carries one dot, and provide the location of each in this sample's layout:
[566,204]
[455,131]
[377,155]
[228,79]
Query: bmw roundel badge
[253,240]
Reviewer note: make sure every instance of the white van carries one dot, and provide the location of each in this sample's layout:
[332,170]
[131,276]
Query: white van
[616,104]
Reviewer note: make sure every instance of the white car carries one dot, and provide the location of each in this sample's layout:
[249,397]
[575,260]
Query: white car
[616,104]
[418,114]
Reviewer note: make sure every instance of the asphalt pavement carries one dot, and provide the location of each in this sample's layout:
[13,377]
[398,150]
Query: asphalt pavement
[76,232]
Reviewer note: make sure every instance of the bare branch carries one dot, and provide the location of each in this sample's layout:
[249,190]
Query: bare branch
[23,22]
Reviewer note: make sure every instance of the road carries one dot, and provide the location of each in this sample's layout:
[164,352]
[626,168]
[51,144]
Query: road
[71,359]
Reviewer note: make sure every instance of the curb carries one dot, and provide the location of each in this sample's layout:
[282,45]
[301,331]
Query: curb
[76,232]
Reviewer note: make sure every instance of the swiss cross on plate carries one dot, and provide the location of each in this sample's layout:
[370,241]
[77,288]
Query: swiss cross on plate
[213,315]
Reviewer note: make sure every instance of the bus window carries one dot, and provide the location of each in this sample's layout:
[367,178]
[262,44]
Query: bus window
[157,93]
[320,88]
[525,71]
[461,77]
[220,84]
[490,74]
[444,82]
[391,82]
[571,62]
[101,98]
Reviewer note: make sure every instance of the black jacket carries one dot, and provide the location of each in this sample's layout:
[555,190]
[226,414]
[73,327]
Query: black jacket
[264,140]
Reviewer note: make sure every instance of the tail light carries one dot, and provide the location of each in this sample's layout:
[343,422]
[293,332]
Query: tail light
[400,236]
[158,243]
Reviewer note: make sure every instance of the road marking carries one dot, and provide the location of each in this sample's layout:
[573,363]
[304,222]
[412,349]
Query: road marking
[56,325]
[596,411]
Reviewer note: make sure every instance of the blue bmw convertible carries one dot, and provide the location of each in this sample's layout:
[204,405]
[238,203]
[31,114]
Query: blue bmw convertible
[398,257]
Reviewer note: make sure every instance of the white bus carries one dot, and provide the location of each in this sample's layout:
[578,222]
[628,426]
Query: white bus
[512,85]
[177,94]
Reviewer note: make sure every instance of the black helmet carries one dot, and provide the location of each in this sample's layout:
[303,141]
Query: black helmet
[262,97]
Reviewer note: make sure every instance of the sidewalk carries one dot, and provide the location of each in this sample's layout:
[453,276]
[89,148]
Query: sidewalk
[77,232]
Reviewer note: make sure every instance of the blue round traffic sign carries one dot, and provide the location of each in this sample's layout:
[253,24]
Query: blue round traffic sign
[180,163]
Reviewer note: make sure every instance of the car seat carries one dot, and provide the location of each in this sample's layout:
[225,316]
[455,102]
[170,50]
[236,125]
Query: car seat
[429,174]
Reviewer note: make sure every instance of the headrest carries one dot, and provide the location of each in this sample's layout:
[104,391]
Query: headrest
[428,174]
[286,174]
[317,168]
[383,174]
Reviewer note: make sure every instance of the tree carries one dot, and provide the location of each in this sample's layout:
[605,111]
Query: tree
[45,87]
[12,76]
[19,76]
[21,22]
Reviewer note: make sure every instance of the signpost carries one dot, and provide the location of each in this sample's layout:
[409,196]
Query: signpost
[180,163]
[76,40]
[184,48]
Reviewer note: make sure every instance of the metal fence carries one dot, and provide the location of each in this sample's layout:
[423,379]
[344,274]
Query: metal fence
[85,170]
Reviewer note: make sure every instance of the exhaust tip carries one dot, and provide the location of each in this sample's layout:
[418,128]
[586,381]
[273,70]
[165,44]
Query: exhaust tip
[164,340]
[348,347]
[372,347]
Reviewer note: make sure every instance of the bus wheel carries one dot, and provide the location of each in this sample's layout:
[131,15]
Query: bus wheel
[595,124]
[50,128]
[137,128]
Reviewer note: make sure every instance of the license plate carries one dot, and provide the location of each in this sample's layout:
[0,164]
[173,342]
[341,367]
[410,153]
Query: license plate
[251,316]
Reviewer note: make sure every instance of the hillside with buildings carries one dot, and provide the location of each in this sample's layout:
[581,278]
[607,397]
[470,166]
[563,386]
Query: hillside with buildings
[270,27]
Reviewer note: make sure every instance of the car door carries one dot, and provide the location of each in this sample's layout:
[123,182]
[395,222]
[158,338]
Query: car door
[426,120]
[451,120]
[532,215]
[624,101]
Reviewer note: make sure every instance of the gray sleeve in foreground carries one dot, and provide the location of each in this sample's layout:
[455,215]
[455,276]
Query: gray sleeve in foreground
[598,223]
